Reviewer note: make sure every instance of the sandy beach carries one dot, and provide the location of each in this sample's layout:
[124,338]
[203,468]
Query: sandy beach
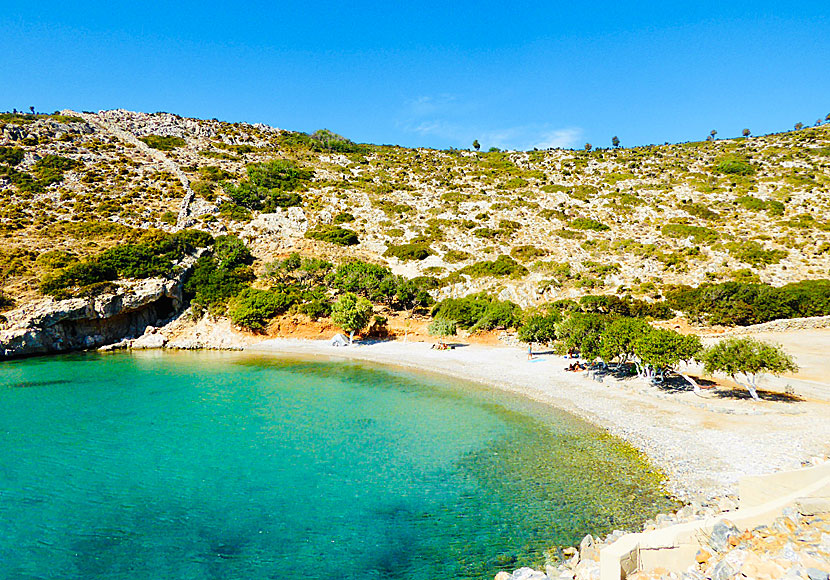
[703,443]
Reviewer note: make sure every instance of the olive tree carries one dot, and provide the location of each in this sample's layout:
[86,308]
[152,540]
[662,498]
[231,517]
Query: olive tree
[583,332]
[351,313]
[659,351]
[442,327]
[619,338]
[538,328]
[749,357]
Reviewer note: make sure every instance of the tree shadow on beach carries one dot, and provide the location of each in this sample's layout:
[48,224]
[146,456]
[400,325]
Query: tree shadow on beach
[741,394]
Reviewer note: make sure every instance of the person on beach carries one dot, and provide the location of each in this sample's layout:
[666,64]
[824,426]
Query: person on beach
[529,351]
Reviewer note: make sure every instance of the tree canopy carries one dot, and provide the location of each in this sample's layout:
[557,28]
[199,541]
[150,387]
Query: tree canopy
[351,313]
[749,357]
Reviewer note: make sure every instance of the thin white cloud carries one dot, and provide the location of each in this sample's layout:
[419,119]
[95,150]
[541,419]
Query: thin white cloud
[442,116]
[560,138]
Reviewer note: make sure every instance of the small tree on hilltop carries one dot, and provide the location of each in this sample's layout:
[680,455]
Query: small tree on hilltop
[588,147]
[746,132]
[749,357]
[712,134]
[799,126]
[476,145]
[351,313]
[615,141]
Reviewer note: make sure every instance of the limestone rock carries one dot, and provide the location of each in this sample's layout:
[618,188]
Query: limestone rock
[588,549]
[48,326]
[150,339]
[721,533]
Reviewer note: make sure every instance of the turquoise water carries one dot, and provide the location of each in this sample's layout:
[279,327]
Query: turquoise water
[234,466]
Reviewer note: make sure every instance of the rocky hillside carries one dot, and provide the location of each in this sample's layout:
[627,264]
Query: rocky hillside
[568,222]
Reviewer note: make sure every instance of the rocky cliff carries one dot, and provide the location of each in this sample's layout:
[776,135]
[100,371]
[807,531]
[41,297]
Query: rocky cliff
[52,326]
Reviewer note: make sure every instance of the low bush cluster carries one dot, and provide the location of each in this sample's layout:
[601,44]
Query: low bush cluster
[583,223]
[220,275]
[407,252]
[47,171]
[380,285]
[755,253]
[333,235]
[740,304]
[163,142]
[270,184]
[731,165]
[152,255]
[479,312]
[699,234]
[501,267]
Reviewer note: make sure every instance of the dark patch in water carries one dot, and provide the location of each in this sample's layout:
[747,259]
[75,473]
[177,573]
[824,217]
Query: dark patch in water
[30,384]
[227,550]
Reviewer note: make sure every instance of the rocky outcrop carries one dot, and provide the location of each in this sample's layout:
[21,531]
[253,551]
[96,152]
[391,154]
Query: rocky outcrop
[51,326]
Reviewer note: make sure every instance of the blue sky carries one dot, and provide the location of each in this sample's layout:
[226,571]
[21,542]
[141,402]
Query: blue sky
[438,74]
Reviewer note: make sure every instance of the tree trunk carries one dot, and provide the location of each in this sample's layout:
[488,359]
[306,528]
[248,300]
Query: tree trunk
[749,387]
[691,381]
[351,337]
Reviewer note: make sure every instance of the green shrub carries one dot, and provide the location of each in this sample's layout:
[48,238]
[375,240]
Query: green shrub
[270,184]
[343,218]
[163,142]
[442,327]
[204,188]
[211,286]
[56,259]
[588,224]
[455,256]
[699,234]
[527,253]
[479,312]
[46,171]
[752,203]
[700,210]
[316,309]
[6,302]
[583,192]
[754,253]
[11,156]
[742,304]
[150,256]
[253,308]
[333,235]
[231,252]
[501,267]
[570,234]
[377,283]
[734,166]
[234,212]
[406,252]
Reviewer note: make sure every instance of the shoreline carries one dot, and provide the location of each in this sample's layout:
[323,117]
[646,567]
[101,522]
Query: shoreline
[702,445]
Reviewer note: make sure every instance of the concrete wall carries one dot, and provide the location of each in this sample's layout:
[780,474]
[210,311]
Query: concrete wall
[763,498]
